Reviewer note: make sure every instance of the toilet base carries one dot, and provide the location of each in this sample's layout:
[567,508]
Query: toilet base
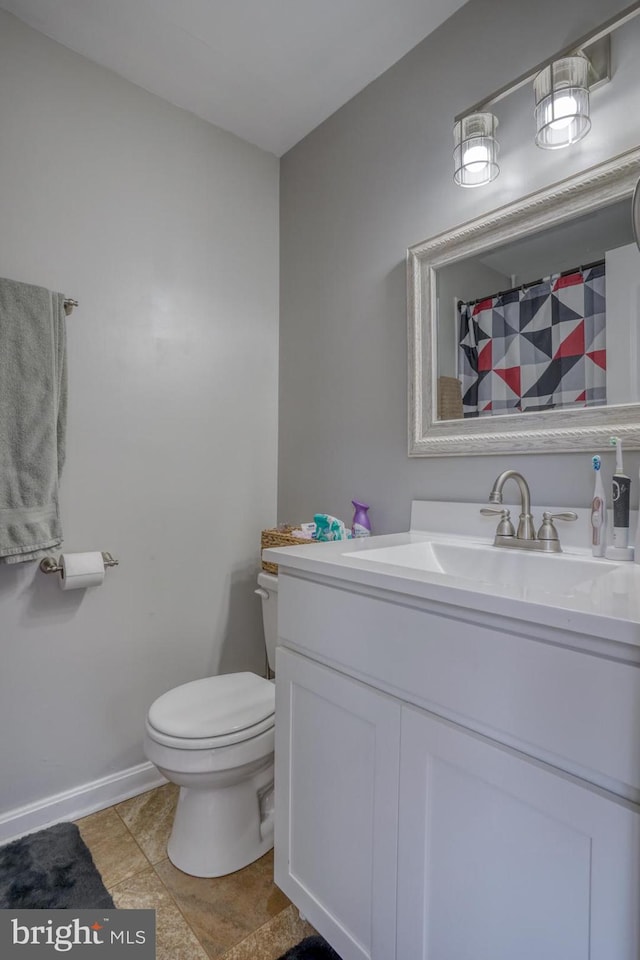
[218,830]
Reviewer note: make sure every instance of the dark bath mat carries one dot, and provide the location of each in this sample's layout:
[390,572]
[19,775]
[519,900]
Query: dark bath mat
[311,948]
[50,870]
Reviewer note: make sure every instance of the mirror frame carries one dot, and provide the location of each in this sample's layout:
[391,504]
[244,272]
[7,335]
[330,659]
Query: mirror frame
[551,431]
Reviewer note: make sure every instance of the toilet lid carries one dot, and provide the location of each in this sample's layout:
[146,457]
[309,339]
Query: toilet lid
[214,706]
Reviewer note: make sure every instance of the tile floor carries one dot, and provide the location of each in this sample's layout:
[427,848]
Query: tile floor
[243,916]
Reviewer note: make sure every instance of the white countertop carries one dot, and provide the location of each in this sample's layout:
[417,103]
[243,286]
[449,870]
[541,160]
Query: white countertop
[607,606]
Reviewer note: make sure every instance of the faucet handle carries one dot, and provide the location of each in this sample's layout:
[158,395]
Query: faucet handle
[505,527]
[547,530]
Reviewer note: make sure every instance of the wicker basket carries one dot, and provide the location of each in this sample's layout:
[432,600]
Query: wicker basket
[279,538]
[449,405]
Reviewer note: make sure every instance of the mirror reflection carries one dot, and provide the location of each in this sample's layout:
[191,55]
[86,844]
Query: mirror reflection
[546,322]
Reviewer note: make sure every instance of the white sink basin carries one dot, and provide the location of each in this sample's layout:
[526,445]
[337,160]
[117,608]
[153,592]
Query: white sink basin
[550,573]
[447,556]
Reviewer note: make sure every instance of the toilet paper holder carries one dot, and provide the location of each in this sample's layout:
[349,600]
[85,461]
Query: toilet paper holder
[51,565]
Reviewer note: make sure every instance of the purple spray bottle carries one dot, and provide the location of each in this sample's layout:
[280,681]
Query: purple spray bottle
[361,526]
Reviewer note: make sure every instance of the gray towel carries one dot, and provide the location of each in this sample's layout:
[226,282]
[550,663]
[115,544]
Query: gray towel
[33,407]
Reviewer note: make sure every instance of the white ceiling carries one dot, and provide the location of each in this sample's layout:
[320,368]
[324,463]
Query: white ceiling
[268,70]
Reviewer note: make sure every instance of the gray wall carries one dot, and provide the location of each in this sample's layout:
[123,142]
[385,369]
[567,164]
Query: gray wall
[375,178]
[166,230]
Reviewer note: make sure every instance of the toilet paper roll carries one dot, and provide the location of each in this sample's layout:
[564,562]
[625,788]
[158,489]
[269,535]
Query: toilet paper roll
[80,570]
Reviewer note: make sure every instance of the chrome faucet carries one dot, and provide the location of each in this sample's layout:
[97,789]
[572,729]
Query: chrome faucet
[546,540]
[526,529]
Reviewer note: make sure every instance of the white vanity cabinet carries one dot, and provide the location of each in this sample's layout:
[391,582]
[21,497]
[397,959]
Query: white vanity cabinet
[448,787]
[500,857]
[337,757]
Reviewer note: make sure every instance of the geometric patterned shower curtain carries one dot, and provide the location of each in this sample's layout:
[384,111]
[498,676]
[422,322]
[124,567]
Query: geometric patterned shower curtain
[535,348]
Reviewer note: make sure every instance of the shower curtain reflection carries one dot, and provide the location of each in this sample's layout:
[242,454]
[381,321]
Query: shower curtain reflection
[535,347]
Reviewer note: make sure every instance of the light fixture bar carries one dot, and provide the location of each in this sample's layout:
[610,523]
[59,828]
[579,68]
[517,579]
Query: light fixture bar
[590,45]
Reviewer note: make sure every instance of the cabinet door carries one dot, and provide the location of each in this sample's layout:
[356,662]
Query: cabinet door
[502,857]
[337,763]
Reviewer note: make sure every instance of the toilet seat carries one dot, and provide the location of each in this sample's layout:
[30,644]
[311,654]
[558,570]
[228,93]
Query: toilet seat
[210,743]
[213,712]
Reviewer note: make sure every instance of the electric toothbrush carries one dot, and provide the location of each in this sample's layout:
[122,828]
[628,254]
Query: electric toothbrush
[620,549]
[598,513]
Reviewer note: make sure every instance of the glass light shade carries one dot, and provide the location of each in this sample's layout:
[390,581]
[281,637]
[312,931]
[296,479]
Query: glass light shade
[475,154]
[562,103]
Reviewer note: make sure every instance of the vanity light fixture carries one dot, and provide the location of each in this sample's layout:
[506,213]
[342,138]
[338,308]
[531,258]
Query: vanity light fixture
[475,154]
[562,103]
[562,86]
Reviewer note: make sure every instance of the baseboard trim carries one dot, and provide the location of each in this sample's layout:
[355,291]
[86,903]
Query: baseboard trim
[79,802]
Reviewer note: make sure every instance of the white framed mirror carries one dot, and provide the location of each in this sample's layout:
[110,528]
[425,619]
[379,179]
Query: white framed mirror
[524,324]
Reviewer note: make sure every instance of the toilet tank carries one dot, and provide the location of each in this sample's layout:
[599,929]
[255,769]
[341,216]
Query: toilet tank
[268,591]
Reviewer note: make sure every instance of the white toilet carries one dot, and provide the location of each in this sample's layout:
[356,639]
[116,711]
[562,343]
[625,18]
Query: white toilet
[214,738]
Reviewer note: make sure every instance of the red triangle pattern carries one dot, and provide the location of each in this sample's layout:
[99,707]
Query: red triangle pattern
[511,377]
[571,280]
[483,305]
[573,344]
[582,398]
[485,357]
[599,357]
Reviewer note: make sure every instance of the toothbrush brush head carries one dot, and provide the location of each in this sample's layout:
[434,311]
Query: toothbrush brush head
[617,443]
